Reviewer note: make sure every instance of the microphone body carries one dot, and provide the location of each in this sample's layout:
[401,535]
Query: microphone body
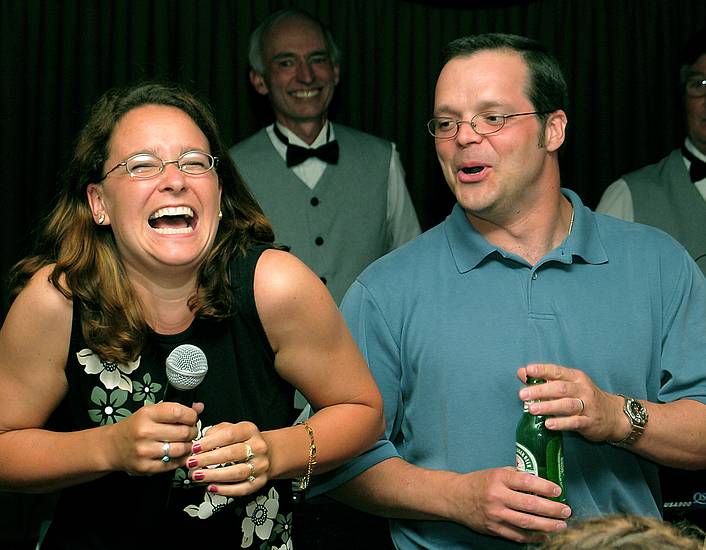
[174,395]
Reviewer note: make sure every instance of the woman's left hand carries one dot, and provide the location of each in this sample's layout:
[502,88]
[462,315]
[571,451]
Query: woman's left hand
[233,459]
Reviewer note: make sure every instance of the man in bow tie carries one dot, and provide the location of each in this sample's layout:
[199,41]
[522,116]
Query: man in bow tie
[671,193]
[335,195]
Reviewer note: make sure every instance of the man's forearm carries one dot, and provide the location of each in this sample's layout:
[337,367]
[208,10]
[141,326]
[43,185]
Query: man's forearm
[394,488]
[675,434]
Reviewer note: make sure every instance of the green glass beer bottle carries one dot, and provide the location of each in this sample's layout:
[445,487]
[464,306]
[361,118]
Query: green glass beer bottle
[539,450]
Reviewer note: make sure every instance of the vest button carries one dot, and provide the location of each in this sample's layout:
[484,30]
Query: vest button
[314,201]
[319,241]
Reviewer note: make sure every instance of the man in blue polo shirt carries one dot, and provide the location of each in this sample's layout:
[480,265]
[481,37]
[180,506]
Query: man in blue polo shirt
[522,280]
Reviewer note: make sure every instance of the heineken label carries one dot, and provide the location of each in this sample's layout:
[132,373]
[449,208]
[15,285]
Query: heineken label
[525,461]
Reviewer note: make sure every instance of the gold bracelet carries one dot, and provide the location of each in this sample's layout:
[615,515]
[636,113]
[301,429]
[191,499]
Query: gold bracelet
[304,481]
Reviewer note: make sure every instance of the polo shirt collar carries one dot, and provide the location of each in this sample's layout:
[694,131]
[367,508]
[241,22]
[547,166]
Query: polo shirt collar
[469,248]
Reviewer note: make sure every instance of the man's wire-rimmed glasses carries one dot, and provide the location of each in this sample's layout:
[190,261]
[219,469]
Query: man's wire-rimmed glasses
[696,87]
[146,165]
[483,124]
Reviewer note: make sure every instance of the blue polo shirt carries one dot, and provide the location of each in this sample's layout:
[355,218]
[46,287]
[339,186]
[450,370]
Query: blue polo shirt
[445,321]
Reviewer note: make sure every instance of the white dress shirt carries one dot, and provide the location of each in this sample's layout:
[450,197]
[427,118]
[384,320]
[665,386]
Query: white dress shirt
[617,199]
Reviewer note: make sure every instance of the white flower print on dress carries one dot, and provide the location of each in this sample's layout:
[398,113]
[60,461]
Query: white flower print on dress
[259,517]
[211,504]
[112,375]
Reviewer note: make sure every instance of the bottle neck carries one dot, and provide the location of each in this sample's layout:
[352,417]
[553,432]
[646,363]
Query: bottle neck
[531,381]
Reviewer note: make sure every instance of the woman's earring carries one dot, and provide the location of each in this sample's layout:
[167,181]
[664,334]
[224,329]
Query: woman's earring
[101,218]
[220,215]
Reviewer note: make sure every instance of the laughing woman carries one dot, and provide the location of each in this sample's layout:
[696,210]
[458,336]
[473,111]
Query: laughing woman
[156,242]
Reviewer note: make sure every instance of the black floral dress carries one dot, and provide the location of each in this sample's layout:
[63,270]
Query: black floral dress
[169,510]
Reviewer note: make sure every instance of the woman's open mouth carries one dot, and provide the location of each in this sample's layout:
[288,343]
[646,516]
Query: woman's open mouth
[173,220]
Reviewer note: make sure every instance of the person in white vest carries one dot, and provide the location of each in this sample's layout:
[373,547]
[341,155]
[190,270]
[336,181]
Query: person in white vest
[336,196]
[671,194]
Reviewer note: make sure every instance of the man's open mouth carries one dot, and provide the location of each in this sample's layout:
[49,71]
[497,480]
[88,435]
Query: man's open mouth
[471,169]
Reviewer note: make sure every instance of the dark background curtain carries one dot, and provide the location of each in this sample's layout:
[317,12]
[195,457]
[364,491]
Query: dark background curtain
[620,59]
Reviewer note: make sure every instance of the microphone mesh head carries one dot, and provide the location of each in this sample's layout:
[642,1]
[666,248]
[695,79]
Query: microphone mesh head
[186,367]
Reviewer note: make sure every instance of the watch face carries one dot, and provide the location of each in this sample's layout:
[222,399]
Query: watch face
[637,412]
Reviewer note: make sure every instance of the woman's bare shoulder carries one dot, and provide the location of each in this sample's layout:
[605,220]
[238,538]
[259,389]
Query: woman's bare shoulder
[34,343]
[289,295]
[280,275]
[39,312]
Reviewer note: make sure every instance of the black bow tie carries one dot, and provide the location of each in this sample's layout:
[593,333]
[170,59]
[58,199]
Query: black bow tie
[296,155]
[697,172]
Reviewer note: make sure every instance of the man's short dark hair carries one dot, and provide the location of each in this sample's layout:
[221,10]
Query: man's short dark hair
[546,86]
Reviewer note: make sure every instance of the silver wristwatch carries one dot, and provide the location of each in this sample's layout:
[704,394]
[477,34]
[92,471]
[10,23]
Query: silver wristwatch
[637,415]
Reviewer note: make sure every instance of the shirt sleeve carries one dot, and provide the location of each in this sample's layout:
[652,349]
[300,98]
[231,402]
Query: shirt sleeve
[684,331]
[371,332]
[401,217]
[617,201]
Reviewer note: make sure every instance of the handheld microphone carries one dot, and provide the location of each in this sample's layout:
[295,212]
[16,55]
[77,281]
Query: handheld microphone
[186,368]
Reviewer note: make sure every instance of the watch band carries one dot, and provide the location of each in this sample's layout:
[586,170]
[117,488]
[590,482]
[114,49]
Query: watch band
[635,434]
[638,416]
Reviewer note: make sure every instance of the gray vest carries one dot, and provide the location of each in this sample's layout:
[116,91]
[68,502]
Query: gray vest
[338,227]
[664,197]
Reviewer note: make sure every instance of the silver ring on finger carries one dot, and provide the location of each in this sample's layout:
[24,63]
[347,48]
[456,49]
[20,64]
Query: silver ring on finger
[582,405]
[165,452]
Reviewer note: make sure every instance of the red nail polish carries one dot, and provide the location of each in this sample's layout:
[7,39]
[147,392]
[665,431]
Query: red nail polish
[196,448]
[192,463]
[212,489]
[198,476]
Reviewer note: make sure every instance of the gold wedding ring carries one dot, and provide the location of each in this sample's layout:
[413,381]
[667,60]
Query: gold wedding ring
[582,405]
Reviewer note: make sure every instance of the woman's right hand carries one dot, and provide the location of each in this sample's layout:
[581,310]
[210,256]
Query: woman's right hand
[137,443]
